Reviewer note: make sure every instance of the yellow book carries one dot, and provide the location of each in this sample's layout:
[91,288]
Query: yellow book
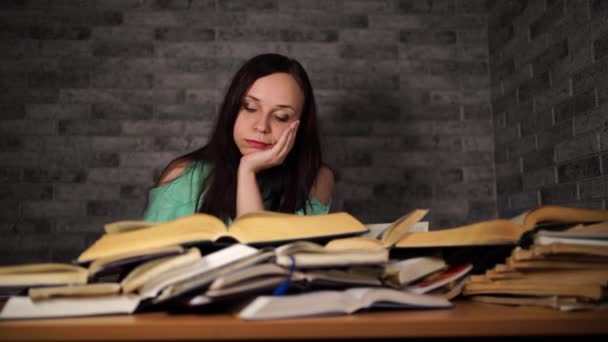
[42,274]
[255,228]
[500,231]
[387,238]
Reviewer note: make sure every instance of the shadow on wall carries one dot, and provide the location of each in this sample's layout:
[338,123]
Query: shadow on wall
[352,140]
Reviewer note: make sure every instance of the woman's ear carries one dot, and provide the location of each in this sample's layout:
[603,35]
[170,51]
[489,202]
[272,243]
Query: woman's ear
[323,187]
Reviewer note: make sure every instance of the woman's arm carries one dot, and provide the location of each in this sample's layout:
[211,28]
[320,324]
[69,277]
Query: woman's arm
[323,188]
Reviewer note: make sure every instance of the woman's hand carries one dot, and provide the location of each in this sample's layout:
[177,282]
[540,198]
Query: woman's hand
[258,161]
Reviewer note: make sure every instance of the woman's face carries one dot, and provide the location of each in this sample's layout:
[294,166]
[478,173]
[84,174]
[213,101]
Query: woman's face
[271,104]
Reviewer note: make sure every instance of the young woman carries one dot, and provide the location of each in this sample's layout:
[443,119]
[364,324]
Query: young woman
[264,152]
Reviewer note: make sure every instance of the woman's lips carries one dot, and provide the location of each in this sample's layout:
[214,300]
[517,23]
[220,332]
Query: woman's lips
[256,144]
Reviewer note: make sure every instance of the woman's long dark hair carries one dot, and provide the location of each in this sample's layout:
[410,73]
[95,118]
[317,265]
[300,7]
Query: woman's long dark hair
[286,186]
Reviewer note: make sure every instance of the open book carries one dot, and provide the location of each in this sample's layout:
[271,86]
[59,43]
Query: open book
[323,303]
[256,228]
[387,238]
[43,274]
[494,232]
[20,307]
[306,254]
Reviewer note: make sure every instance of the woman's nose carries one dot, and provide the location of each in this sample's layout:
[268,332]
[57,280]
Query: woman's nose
[261,125]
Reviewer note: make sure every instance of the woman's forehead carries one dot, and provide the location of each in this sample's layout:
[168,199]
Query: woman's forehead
[279,89]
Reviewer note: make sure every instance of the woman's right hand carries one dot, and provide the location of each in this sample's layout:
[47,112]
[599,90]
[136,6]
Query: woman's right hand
[258,161]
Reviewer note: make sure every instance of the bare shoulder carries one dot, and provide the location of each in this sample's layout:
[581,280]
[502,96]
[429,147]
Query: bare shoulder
[175,169]
[323,187]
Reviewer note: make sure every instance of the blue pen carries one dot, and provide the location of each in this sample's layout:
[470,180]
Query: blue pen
[282,288]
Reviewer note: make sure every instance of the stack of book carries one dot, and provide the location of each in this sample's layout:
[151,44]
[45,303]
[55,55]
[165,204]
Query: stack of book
[138,266]
[565,270]
[271,265]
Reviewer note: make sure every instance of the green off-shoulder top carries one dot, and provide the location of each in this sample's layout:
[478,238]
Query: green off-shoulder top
[177,198]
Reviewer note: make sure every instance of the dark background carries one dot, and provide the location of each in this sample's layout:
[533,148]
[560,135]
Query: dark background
[474,109]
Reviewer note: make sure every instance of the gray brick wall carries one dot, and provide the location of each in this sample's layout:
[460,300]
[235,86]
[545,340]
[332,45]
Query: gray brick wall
[97,96]
[549,75]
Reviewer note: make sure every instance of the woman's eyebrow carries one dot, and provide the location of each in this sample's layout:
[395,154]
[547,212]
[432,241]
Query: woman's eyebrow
[280,106]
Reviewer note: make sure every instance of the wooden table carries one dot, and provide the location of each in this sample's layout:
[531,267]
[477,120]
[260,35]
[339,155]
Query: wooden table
[466,319]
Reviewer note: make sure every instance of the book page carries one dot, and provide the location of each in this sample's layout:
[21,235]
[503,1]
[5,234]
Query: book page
[269,226]
[193,228]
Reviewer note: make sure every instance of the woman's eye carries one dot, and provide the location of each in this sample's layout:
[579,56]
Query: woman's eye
[281,118]
[249,109]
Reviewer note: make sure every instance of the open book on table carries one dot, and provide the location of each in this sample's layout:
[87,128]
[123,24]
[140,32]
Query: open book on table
[495,232]
[323,303]
[388,236]
[258,228]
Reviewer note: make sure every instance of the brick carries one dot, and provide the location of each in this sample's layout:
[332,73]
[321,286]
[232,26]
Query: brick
[75,225]
[535,160]
[10,175]
[599,9]
[594,188]
[26,192]
[560,132]
[54,175]
[125,79]
[323,5]
[535,122]
[247,5]
[430,143]
[478,143]
[533,86]
[522,146]
[59,33]
[96,127]
[306,20]
[523,201]
[368,35]
[473,174]
[119,176]
[591,76]
[505,169]
[427,37]
[481,190]
[121,209]
[477,112]
[545,100]
[51,209]
[509,185]
[86,192]
[33,226]
[558,194]
[145,159]
[506,135]
[591,122]
[134,96]
[133,192]
[121,111]
[57,111]
[426,7]
[12,111]
[182,34]
[65,48]
[290,35]
[400,191]
[600,47]
[551,55]
[28,127]
[578,170]
[548,19]
[577,147]
[498,38]
[184,112]
[372,51]
[123,49]
[358,6]
[29,96]
[604,143]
